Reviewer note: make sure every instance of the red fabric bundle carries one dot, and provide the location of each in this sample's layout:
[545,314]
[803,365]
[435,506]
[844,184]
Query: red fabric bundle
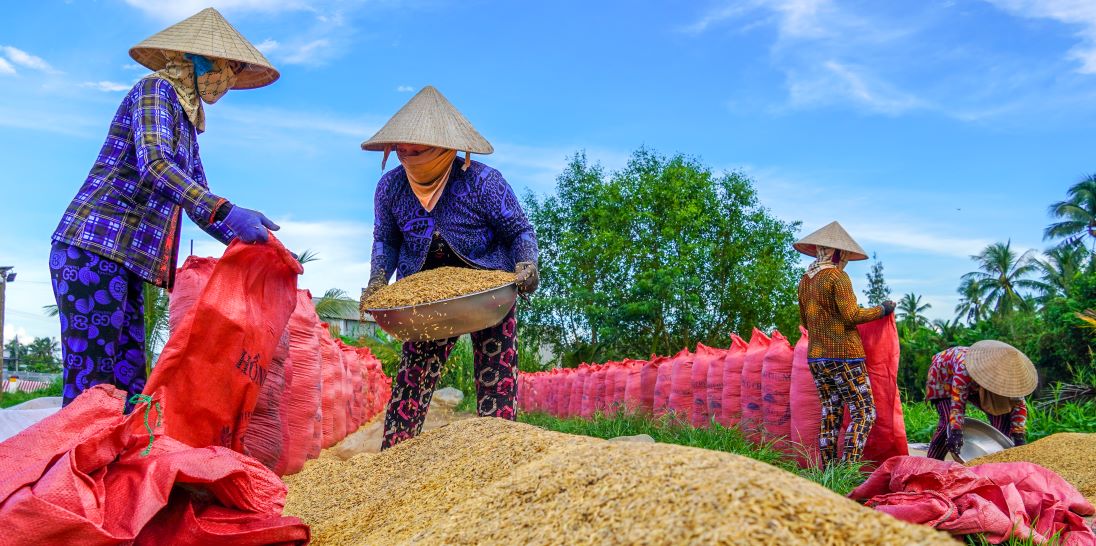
[265,438]
[751,423]
[80,476]
[1001,500]
[732,383]
[660,400]
[806,407]
[714,381]
[776,378]
[218,359]
[681,386]
[190,280]
[700,416]
[888,436]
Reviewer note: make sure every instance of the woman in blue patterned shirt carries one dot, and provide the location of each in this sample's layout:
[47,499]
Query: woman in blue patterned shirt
[122,228]
[436,210]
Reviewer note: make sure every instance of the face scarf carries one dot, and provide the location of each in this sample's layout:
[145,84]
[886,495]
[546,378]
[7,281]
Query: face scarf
[823,260]
[214,77]
[428,172]
[992,403]
[179,72]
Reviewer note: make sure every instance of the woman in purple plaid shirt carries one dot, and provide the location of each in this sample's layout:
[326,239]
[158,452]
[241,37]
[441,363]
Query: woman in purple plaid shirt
[122,228]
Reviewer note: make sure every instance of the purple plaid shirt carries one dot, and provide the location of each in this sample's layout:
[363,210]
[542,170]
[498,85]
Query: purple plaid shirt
[128,208]
[478,215]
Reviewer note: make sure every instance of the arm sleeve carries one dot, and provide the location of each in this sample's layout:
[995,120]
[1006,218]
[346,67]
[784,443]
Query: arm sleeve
[802,308]
[217,230]
[386,234]
[960,392]
[154,137]
[845,299]
[1019,418]
[507,217]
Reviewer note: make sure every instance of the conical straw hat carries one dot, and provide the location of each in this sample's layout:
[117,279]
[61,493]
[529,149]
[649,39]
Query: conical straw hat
[207,33]
[429,119]
[833,236]
[1001,369]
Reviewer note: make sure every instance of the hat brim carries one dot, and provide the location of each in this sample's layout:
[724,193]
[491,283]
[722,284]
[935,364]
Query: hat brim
[986,370]
[812,250]
[252,76]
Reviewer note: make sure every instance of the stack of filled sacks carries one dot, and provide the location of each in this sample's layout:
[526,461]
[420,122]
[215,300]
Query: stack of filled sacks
[762,387]
[314,392]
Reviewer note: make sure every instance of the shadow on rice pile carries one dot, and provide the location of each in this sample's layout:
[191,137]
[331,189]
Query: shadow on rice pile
[489,481]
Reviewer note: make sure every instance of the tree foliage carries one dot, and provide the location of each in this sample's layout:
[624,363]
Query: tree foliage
[655,257]
[877,290]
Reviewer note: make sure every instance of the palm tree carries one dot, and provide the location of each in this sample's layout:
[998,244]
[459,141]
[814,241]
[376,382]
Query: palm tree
[335,304]
[911,310]
[948,330]
[1077,214]
[1062,265]
[1003,274]
[970,308]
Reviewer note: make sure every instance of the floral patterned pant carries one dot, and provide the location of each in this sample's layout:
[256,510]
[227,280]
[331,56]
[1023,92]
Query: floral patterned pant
[938,447]
[101,308]
[842,383]
[496,364]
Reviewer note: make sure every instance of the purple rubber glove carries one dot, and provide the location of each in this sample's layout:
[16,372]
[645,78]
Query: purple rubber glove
[249,225]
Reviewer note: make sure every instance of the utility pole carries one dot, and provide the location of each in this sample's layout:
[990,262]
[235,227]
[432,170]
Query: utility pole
[6,276]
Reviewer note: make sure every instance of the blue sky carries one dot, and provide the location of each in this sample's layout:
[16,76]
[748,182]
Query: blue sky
[928,128]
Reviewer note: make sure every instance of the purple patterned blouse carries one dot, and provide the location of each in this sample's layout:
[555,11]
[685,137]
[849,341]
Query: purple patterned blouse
[478,215]
[128,208]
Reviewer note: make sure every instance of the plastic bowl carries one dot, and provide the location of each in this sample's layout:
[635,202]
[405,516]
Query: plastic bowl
[448,318]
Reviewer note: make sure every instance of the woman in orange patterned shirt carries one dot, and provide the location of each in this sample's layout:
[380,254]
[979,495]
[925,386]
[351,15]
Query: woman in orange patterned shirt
[828,309]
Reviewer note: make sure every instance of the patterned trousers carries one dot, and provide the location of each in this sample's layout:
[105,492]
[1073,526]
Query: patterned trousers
[496,363]
[843,383]
[101,308]
[938,447]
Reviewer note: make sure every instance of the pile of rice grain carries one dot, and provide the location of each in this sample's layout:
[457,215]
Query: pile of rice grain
[489,481]
[1071,455]
[435,285]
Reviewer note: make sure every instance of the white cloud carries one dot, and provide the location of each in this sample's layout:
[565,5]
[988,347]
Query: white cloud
[794,18]
[405,89]
[266,46]
[313,52]
[1079,13]
[107,86]
[22,58]
[838,82]
[6,67]
[12,331]
[132,66]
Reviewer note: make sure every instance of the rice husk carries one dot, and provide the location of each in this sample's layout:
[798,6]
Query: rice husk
[1071,455]
[436,285]
[490,481]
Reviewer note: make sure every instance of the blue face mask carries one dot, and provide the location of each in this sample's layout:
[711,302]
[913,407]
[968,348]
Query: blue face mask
[202,65]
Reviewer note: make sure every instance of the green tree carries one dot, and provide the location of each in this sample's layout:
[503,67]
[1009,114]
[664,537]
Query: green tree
[970,308]
[17,351]
[877,290]
[1076,215]
[335,304]
[42,355]
[911,311]
[658,256]
[1063,264]
[1003,274]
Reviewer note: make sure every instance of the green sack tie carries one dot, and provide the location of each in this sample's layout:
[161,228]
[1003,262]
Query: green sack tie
[146,399]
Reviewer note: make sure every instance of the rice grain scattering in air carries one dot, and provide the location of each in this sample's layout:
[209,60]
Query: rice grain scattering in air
[1071,455]
[490,481]
[435,285]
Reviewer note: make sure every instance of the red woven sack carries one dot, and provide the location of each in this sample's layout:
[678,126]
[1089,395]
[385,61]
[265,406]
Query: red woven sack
[578,387]
[806,407]
[610,385]
[331,373]
[660,401]
[564,385]
[265,438]
[732,383]
[714,382]
[751,423]
[356,396]
[619,374]
[776,379]
[633,386]
[303,396]
[593,392]
[888,436]
[190,280]
[88,475]
[219,358]
[681,386]
[700,416]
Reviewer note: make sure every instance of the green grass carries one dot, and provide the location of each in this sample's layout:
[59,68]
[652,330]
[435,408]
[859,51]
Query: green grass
[921,419]
[10,399]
